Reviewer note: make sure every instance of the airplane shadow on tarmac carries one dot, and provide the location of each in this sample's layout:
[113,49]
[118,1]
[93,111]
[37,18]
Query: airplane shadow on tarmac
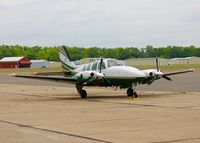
[64,97]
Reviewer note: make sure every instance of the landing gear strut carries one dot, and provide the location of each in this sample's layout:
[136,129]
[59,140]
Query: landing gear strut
[81,91]
[131,93]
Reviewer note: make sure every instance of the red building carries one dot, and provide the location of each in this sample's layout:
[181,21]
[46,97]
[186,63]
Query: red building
[15,62]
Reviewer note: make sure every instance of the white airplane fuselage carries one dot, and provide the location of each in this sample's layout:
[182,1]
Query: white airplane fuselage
[124,72]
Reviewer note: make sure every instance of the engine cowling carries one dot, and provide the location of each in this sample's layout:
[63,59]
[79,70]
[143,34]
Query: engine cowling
[88,74]
[152,72]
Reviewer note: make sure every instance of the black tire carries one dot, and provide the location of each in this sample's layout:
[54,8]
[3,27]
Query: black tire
[129,92]
[83,94]
[135,94]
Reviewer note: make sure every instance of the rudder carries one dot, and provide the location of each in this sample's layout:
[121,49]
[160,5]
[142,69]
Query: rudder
[65,59]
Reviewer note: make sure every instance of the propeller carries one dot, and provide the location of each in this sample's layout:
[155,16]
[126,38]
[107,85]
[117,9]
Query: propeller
[96,75]
[101,62]
[166,77]
[90,80]
[157,66]
[93,77]
[158,70]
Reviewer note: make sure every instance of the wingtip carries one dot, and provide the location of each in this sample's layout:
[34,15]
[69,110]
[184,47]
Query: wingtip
[192,70]
[13,74]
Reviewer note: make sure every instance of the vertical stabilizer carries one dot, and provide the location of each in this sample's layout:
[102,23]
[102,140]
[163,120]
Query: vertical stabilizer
[65,59]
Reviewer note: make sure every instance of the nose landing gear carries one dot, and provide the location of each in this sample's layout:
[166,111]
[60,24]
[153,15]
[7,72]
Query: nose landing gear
[131,93]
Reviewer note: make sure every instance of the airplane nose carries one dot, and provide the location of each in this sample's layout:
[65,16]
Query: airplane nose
[140,74]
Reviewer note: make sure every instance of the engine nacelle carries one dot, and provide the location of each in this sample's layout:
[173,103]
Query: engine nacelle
[88,74]
[149,72]
[152,72]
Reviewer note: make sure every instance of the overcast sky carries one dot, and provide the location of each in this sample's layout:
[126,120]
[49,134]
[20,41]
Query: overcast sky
[104,23]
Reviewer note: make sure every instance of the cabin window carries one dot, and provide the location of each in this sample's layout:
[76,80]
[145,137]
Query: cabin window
[84,68]
[112,63]
[94,66]
[88,67]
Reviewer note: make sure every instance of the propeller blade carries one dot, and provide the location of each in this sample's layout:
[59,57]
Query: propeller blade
[90,80]
[167,78]
[93,77]
[157,66]
[101,62]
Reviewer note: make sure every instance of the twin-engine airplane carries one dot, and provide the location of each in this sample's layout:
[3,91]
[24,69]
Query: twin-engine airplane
[105,73]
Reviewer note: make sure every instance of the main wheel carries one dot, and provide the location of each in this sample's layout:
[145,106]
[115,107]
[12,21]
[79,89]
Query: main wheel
[135,94]
[83,94]
[129,92]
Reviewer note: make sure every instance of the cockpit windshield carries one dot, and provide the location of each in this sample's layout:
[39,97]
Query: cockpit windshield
[112,63]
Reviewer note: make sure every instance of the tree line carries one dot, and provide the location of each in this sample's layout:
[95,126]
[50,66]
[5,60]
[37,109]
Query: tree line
[77,53]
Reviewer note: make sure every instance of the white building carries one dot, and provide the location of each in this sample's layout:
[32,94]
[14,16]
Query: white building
[40,64]
[187,60]
[145,61]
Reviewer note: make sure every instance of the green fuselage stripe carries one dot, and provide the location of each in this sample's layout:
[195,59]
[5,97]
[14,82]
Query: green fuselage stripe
[113,81]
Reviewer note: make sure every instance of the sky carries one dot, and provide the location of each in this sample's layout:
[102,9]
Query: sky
[101,23]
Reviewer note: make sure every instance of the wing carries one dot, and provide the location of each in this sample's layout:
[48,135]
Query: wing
[62,73]
[48,73]
[158,75]
[71,80]
[178,72]
[166,75]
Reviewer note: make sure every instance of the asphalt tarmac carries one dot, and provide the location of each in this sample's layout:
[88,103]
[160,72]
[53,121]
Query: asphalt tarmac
[39,111]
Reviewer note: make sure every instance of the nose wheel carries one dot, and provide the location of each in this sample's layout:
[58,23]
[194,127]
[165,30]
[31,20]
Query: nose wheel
[131,93]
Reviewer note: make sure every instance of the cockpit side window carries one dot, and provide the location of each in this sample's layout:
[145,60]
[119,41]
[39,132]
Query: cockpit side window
[94,66]
[112,63]
[84,68]
[103,66]
[88,67]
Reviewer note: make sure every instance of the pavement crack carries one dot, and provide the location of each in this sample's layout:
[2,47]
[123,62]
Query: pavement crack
[24,94]
[57,132]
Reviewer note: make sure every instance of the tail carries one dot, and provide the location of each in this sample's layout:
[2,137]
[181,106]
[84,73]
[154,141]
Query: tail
[65,59]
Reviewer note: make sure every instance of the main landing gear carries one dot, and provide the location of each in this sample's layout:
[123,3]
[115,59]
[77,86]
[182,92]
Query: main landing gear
[81,91]
[83,94]
[131,93]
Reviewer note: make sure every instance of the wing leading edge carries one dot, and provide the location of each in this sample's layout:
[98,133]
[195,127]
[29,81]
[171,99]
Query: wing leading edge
[178,72]
[71,80]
